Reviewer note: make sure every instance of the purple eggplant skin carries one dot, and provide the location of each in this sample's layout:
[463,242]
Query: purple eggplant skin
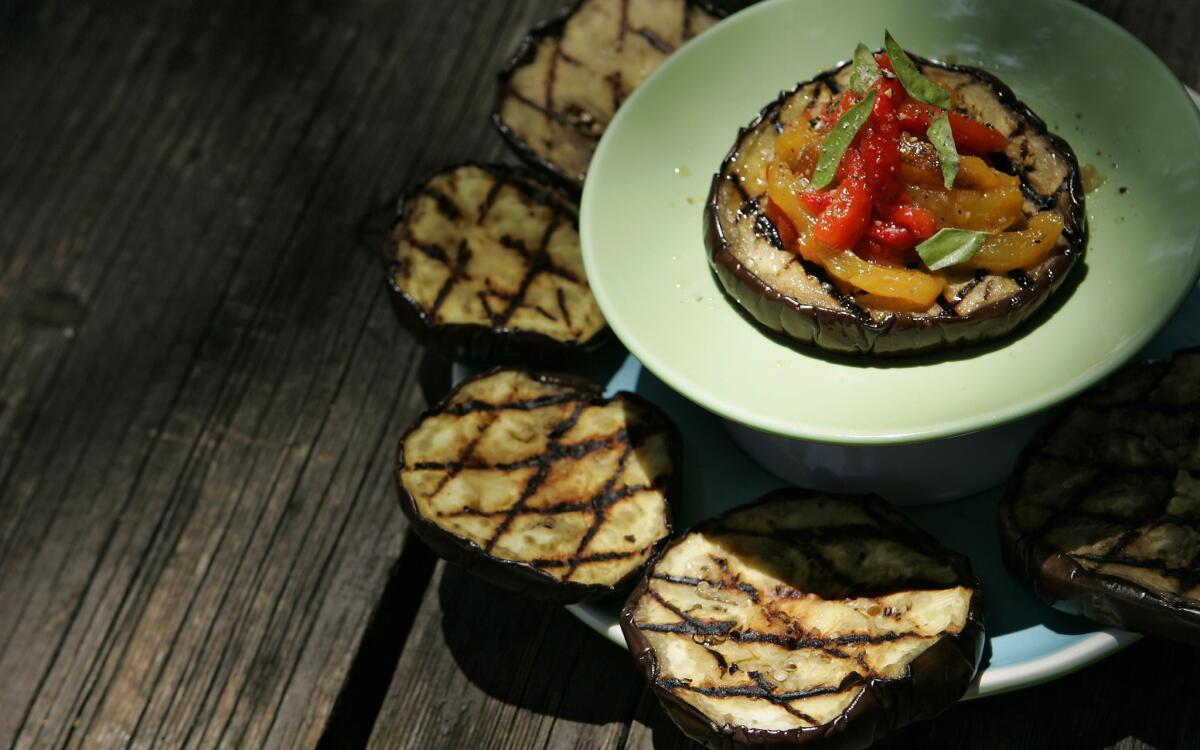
[479,344]
[519,577]
[526,49]
[847,329]
[936,679]
[1067,586]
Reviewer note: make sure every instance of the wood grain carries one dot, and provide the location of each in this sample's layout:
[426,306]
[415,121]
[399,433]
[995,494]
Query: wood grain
[202,386]
[200,376]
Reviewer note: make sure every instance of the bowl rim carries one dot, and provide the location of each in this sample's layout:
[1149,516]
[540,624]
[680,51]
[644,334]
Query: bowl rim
[722,406]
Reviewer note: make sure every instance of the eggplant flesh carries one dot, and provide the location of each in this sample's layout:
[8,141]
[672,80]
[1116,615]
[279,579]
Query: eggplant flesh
[791,296]
[1102,517]
[486,265]
[540,483]
[571,74]
[805,618]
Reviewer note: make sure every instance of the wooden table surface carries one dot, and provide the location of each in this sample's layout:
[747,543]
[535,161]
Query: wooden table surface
[202,385]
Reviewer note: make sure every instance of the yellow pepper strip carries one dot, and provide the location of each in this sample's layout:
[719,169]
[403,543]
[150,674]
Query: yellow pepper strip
[974,172]
[916,287]
[1021,249]
[979,210]
[799,147]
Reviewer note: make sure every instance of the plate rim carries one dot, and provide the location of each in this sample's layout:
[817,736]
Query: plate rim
[764,421]
[987,682]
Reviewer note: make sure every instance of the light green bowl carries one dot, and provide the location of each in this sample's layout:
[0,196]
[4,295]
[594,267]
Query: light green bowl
[1115,102]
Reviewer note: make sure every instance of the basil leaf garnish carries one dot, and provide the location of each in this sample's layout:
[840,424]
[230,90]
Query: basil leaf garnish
[949,247]
[917,85]
[942,138]
[865,72]
[839,139]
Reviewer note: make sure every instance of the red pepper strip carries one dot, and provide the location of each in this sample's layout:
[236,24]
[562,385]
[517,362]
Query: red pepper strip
[920,221]
[878,252]
[815,202]
[783,225]
[969,135]
[843,223]
[892,234]
[884,62]
[891,95]
[848,100]
[881,158]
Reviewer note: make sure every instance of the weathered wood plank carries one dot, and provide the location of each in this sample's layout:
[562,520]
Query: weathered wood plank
[201,380]
[485,668]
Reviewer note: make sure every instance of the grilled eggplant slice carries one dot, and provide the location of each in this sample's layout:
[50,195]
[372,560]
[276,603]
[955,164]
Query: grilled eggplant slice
[486,267]
[571,74]
[805,618]
[540,484]
[1102,517]
[789,295]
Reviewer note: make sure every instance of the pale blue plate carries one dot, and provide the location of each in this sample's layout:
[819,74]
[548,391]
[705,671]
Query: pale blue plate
[1028,642]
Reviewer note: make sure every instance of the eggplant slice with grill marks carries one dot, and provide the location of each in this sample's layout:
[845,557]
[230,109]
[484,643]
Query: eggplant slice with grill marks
[540,484]
[1102,517]
[572,72]
[805,618]
[796,298]
[486,267]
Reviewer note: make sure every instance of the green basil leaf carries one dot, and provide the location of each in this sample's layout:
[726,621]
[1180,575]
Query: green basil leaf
[950,247]
[917,85]
[865,71]
[942,138]
[838,140]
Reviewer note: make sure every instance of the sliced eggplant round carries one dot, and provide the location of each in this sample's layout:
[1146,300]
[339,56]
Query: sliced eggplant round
[571,73]
[1102,517]
[805,620]
[486,267]
[789,295]
[540,484]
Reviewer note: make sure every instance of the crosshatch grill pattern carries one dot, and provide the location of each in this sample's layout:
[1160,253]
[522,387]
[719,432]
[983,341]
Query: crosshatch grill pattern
[572,73]
[782,613]
[545,473]
[1115,486]
[487,246]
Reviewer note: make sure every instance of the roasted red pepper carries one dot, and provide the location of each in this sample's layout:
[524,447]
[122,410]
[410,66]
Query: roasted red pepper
[783,225]
[969,135]
[844,221]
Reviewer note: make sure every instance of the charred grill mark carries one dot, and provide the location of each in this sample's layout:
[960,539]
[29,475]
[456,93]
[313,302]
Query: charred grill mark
[457,273]
[742,586]
[688,625]
[970,285]
[767,229]
[593,558]
[540,263]
[488,201]
[445,206]
[515,245]
[518,507]
[734,179]
[561,299]
[760,689]
[433,252]
[600,502]
[656,41]
[550,114]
